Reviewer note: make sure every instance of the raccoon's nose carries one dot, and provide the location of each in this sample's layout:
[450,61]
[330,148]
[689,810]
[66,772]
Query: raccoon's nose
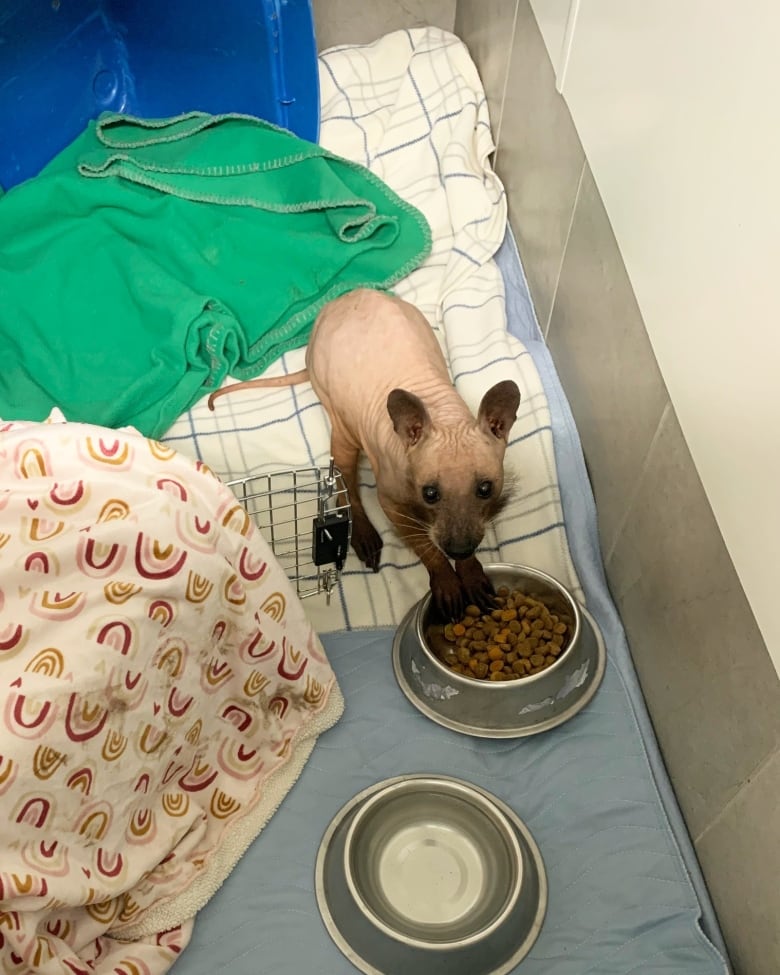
[459,551]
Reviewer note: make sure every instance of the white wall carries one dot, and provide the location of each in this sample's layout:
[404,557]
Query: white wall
[552,17]
[677,106]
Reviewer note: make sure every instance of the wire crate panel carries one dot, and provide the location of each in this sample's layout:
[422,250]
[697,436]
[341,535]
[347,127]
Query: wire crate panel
[304,515]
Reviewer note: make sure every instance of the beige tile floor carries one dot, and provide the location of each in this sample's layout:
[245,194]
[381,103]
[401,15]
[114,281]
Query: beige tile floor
[363,21]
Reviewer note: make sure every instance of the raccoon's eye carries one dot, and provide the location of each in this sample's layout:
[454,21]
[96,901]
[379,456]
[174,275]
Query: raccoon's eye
[430,494]
[484,489]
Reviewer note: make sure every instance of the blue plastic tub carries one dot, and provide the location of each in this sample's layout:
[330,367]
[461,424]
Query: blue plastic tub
[63,62]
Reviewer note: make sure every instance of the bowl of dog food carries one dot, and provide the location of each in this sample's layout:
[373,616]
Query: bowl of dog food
[522,666]
[428,874]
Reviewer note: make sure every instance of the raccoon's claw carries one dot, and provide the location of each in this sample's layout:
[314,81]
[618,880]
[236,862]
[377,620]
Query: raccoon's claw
[452,592]
[367,543]
[448,599]
[477,587]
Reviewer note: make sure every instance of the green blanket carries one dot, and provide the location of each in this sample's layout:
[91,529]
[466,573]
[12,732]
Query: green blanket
[151,259]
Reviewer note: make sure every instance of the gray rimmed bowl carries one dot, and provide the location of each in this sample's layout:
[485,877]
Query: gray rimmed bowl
[506,709]
[427,875]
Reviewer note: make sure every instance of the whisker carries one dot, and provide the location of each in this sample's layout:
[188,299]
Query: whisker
[409,519]
[422,532]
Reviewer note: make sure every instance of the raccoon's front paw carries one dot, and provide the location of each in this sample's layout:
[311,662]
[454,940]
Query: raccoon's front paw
[367,542]
[448,598]
[476,586]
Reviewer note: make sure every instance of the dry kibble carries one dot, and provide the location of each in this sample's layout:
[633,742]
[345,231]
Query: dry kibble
[481,670]
[522,635]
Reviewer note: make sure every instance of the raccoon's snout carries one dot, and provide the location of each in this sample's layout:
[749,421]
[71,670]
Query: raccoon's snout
[459,547]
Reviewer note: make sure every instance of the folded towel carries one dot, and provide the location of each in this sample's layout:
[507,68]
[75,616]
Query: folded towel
[153,258]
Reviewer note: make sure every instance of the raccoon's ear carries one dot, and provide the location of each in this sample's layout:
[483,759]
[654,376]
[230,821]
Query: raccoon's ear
[498,409]
[409,416]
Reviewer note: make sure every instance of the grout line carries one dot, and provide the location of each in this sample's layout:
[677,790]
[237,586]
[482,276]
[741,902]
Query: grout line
[506,83]
[751,776]
[546,329]
[564,55]
[638,483]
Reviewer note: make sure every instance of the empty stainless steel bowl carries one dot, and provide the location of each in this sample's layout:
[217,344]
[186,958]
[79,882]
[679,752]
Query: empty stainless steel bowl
[432,863]
[506,709]
[426,874]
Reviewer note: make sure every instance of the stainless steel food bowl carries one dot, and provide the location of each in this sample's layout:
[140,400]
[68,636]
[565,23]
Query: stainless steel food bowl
[432,863]
[426,874]
[506,709]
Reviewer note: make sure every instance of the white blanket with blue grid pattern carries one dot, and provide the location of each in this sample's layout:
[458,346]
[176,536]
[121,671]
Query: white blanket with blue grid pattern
[411,108]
